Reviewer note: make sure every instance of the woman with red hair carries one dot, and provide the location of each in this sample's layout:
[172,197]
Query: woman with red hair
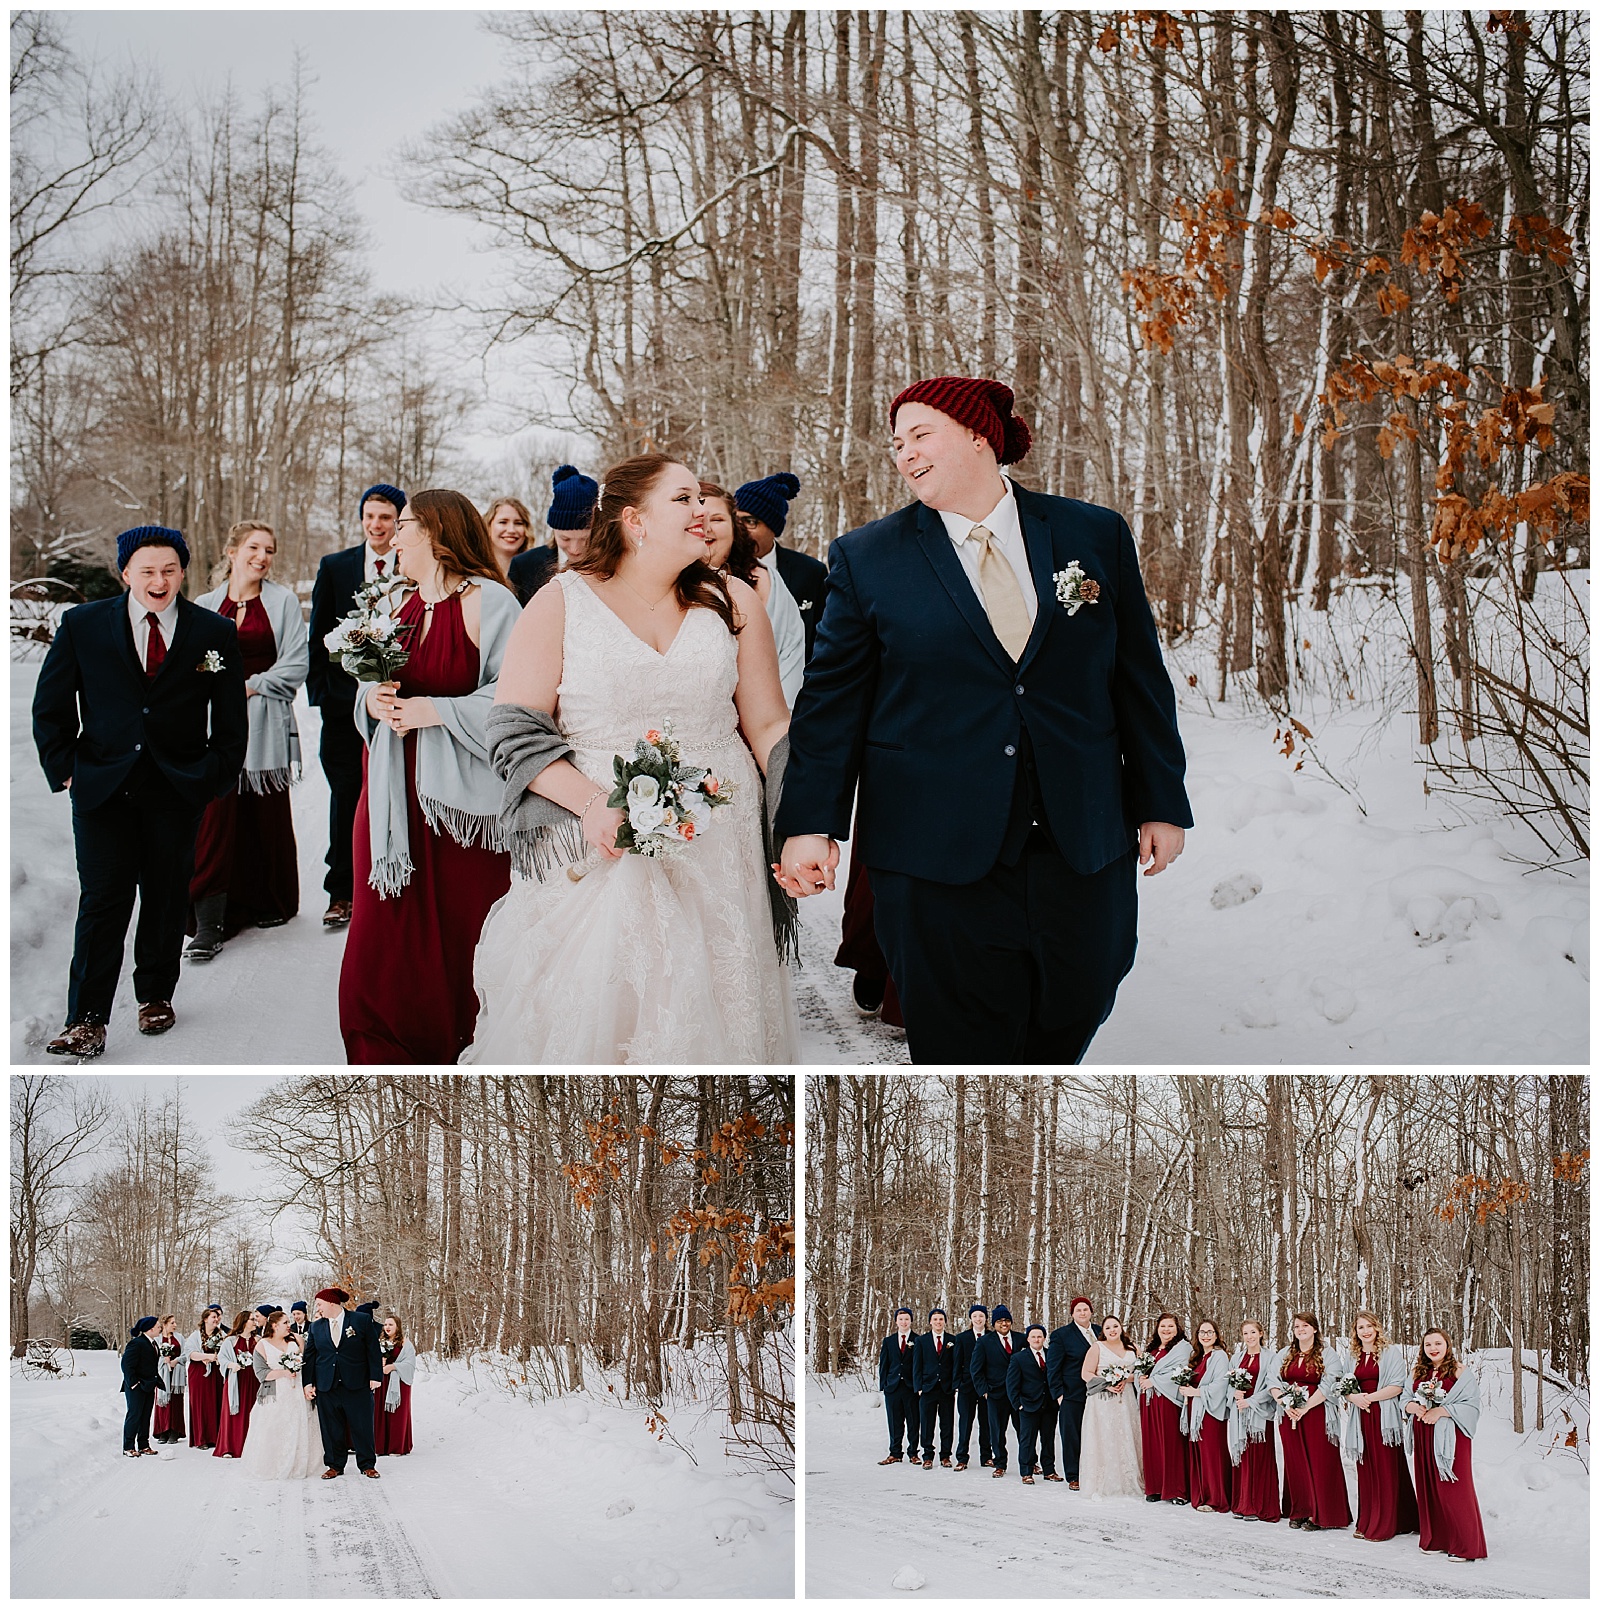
[1314,1492]
[392,1405]
[239,1384]
[205,1378]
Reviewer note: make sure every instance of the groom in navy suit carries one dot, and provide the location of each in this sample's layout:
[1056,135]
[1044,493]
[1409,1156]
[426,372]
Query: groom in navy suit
[139,711]
[987,673]
[343,1367]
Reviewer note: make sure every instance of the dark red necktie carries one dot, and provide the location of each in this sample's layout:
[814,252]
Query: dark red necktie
[938,1346]
[902,1343]
[155,653]
[377,564]
[1040,1357]
[1007,1340]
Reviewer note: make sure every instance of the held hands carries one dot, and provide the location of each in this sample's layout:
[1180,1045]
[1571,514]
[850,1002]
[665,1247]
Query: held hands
[1160,843]
[808,864]
[311,1393]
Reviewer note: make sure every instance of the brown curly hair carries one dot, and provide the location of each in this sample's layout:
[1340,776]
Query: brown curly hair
[1316,1341]
[1449,1367]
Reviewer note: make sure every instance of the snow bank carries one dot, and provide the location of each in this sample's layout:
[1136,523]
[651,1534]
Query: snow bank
[972,1536]
[501,1498]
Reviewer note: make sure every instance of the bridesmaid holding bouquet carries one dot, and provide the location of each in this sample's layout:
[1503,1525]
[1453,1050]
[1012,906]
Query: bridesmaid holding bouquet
[1374,1435]
[1204,1420]
[1250,1414]
[1313,1477]
[239,1384]
[1442,1410]
[205,1379]
[1165,1452]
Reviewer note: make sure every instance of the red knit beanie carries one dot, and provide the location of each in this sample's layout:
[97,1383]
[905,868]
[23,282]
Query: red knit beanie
[980,405]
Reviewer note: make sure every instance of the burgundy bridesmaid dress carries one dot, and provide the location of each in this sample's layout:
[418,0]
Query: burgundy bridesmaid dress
[246,847]
[406,992]
[166,1424]
[1210,1467]
[205,1404]
[1313,1475]
[1447,1511]
[1255,1481]
[393,1435]
[1166,1455]
[234,1427]
[1385,1504]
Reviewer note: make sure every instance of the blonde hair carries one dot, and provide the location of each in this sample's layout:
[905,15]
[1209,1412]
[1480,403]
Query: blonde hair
[522,514]
[1379,1340]
[222,570]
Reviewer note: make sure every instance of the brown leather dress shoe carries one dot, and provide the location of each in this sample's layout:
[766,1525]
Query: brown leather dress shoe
[85,1040]
[960,1467]
[1054,1477]
[372,1474]
[945,1462]
[927,1463]
[337,913]
[883,1461]
[1027,1480]
[156,1016]
[332,1474]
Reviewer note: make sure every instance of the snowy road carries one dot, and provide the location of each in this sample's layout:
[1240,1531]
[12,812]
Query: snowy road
[972,1536]
[501,1498]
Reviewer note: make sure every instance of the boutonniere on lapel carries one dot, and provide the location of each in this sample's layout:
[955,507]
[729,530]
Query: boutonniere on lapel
[1074,589]
[212,662]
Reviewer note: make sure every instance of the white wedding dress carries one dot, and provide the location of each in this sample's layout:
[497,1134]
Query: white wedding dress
[1110,1455]
[642,960]
[285,1441]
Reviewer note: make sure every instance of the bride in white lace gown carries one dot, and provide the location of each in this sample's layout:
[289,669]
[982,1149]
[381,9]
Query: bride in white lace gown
[285,1440]
[639,959]
[1110,1462]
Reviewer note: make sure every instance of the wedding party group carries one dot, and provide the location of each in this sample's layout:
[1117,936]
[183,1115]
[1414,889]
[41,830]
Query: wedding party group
[290,1398]
[1182,1421]
[577,789]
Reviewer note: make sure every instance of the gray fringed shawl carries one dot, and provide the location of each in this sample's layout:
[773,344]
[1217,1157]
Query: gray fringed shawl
[172,1376]
[1164,1377]
[1332,1368]
[272,756]
[1391,1372]
[1462,1406]
[1253,1421]
[403,1373]
[542,837]
[228,1358]
[192,1352]
[457,788]
[1213,1399]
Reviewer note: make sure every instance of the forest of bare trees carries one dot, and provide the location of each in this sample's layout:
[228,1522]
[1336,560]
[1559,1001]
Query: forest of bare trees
[565,1222]
[1452,1200]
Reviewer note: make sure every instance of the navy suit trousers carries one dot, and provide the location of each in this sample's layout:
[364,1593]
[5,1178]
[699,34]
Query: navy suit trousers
[1069,1419]
[900,1404]
[969,1407]
[1002,1415]
[937,1407]
[1036,1439]
[136,1422]
[346,1418]
[341,751]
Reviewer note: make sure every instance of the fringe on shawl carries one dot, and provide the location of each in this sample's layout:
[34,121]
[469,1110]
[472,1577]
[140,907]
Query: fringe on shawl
[279,780]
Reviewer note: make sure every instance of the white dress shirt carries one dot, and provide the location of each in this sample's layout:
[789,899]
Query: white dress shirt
[1005,526]
[369,563]
[166,622]
[788,630]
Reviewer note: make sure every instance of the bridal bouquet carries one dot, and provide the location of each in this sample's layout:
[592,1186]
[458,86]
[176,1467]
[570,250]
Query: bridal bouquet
[665,802]
[292,1360]
[368,642]
[1433,1392]
[1116,1374]
[1241,1380]
[1295,1397]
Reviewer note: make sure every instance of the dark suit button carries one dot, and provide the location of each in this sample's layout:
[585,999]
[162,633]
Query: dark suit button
[144,712]
[1018,689]
[137,747]
[1011,749]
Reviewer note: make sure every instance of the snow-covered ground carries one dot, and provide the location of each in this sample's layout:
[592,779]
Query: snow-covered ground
[500,1498]
[1293,929]
[970,1536]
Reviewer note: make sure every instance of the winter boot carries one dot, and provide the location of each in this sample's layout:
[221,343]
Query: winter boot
[208,915]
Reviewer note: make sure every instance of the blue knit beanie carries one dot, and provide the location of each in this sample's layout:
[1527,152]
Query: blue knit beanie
[908,1313]
[366,1307]
[1001,1312]
[298,1307]
[214,1307]
[266,1308]
[390,494]
[768,500]
[572,499]
[143,1325]
[1031,1328]
[977,1307]
[939,1310]
[150,536]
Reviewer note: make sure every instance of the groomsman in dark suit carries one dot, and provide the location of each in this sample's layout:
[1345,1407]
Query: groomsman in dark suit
[897,1382]
[991,1361]
[1069,1346]
[1028,1385]
[969,1405]
[139,711]
[933,1373]
[765,506]
[334,692]
[571,513]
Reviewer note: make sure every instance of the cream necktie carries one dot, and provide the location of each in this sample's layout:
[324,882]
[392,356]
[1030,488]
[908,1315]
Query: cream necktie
[1002,597]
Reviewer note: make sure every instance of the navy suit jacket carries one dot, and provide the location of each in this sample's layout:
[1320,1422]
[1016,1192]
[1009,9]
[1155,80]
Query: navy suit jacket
[966,1344]
[895,1368]
[328,685]
[95,712]
[1028,1382]
[990,1363]
[934,1370]
[911,695]
[357,1362]
[1066,1353]
[530,570]
[139,1364]
[807,581]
